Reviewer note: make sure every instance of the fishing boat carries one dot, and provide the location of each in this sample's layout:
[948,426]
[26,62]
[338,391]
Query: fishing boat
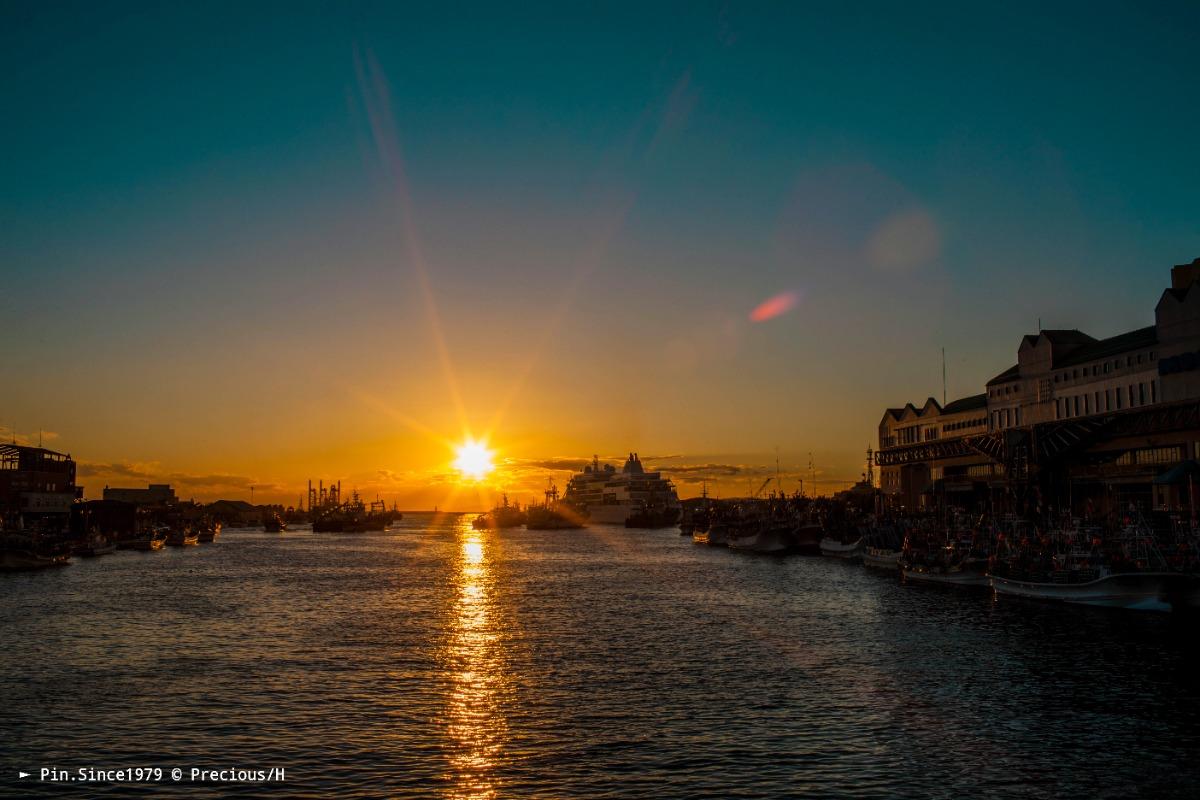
[273,523]
[717,534]
[95,545]
[554,514]
[840,547]
[763,535]
[881,558]
[806,537]
[502,516]
[965,575]
[1143,591]
[209,531]
[881,547]
[183,536]
[22,551]
[353,516]
[1076,564]
[145,540]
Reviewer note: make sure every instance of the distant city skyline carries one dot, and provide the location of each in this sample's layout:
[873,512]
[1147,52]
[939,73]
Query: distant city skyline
[254,246]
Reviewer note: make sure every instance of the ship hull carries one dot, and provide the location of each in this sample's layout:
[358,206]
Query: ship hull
[878,558]
[769,541]
[837,549]
[1145,591]
[962,577]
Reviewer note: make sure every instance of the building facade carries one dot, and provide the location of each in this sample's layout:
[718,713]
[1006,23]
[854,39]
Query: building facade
[36,482]
[156,494]
[1077,421]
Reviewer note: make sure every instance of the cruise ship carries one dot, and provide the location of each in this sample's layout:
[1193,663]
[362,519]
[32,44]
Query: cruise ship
[632,497]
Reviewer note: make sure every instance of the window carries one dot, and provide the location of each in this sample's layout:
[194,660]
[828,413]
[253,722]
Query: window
[1129,361]
[1150,455]
[1097,405]
[1056,379]
[1075,374]
[1131,395]
[1118,398]
[1153,390]
[1108,399]
[1139,360]
[1087,404]
[1141,394]
[1076,405]
[1151,356]
[1107,367]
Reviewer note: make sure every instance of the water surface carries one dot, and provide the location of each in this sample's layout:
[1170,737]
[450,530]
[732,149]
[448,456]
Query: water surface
[438,661]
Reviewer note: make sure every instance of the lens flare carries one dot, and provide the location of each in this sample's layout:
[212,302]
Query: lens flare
[776,306]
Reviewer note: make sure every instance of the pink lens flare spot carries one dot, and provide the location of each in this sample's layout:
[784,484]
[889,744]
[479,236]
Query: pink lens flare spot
[776,306]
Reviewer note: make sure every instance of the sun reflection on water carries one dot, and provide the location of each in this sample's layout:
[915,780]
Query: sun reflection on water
[475,719]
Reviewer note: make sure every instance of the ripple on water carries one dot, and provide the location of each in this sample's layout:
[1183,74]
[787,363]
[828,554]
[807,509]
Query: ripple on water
[440,661]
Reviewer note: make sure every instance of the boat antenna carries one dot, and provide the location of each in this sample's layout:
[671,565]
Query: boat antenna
[943,377]
[812,469]
[778,480]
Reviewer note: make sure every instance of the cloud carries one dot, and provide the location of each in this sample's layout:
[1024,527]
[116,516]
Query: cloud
[905,240]
[91,469]
[154,473]
[8,436]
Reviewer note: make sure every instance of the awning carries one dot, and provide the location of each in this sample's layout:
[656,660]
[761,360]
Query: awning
[1179,473]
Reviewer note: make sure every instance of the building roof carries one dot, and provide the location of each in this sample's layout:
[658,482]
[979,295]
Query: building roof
[966,404]
[240,505]
[1113,345]
[1010,374]
[933,408]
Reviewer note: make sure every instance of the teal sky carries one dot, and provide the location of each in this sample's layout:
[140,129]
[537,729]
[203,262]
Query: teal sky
[203,247]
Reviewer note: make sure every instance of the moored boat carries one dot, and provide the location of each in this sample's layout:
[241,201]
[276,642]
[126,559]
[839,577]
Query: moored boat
[965,575]
[502,516]
[553,515]
[20,550]
[806,537]
[145,540]
[881,558]
[762,536]
[836,547]
[183,537]
[1142,591]
[95,545]
[209,531]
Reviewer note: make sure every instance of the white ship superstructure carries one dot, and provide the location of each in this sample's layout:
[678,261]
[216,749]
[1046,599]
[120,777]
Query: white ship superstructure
[613,498]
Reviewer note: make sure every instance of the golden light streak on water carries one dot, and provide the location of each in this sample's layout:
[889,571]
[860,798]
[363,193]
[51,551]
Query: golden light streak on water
[475,720]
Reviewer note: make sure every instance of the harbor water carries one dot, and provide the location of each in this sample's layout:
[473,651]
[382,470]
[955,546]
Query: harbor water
[433,660]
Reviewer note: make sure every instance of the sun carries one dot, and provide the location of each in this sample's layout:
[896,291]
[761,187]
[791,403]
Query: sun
[473,460]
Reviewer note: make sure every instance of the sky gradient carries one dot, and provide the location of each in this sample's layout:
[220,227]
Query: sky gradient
[252,245]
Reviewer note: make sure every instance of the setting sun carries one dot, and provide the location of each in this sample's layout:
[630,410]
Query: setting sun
[473,460]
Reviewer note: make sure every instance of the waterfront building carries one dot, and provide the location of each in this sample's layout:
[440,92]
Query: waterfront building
[1095,424]
[36,482]
[910,484]
[156,494]
[235,512]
